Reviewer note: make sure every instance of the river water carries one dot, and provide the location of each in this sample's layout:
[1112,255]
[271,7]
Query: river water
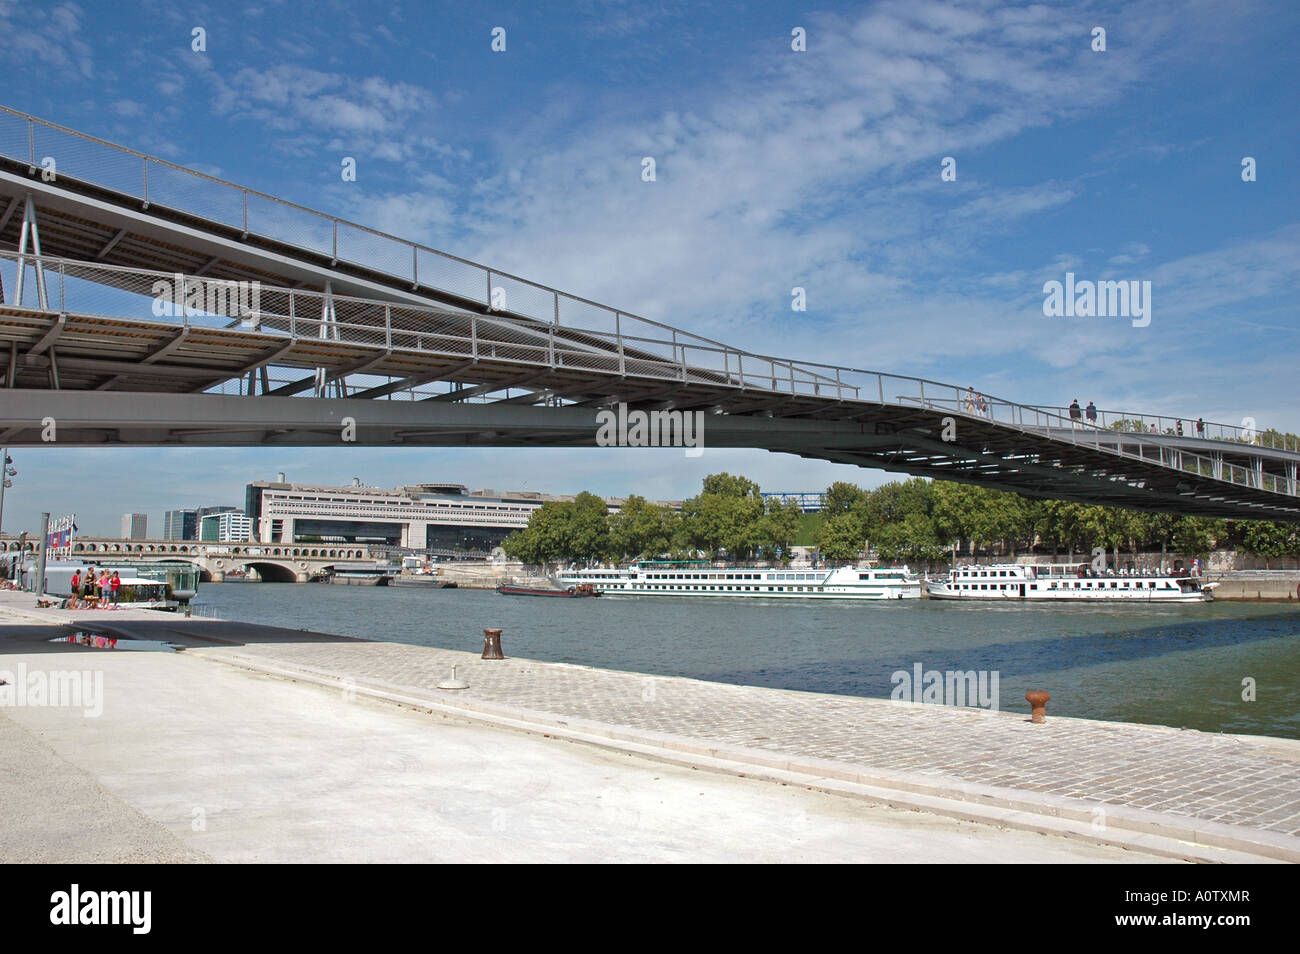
[1171,665]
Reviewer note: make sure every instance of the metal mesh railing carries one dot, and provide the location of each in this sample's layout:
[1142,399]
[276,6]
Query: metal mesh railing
[304,316]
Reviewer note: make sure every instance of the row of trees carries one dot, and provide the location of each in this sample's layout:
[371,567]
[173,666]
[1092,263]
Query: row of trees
[728,516]
[923,521]
[913,521]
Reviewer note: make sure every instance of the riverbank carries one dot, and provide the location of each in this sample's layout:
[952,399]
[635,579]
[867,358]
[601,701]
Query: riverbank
[1163,792]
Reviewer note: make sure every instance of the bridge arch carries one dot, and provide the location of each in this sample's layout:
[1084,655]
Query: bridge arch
[272,571]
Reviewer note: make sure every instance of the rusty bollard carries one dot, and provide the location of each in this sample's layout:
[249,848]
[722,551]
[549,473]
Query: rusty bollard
[492,644]
[1037,699]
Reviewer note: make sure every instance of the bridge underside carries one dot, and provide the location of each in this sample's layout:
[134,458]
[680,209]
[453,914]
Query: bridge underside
[418,357]
[865,434]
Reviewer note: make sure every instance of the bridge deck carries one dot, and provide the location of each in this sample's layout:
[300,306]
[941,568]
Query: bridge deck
[350,312]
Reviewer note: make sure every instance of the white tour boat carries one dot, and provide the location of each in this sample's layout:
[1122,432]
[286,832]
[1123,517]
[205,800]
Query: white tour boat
[701,578]
[1066,582]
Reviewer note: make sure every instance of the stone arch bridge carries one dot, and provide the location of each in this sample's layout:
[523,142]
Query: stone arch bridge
[271,562]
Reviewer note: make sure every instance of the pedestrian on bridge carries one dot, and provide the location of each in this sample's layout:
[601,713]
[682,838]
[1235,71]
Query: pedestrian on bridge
[1075,413]
[1092,414]
[1200,427]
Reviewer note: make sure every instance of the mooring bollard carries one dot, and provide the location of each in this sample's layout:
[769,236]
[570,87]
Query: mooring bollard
[492,644]
[1038,699]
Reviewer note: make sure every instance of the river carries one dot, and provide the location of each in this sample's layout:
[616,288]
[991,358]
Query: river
[1177,665]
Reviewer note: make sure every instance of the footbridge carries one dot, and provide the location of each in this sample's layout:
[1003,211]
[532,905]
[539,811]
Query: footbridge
[143,303]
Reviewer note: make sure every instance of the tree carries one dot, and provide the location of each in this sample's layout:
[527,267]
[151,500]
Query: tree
[1195,535]
[640,529]
[910,540]
[572,531]
[841,537]
[725,515]
[779,526]
[842,497]
[588,529]
[1270,540]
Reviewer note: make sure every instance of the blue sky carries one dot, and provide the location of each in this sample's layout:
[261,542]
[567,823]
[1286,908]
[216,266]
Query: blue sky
[775,169]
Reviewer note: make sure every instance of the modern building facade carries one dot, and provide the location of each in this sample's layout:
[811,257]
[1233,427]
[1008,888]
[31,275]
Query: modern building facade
[135,526]
[420,517]
[228,526]
[180,525]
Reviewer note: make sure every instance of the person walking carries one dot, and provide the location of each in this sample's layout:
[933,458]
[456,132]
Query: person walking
[1200,427]
[102,584]
[1075,413]
[970,400]
[1092,414]
[76,586]
[113,585]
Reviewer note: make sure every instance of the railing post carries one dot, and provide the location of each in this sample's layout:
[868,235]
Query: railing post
[488,300]
[244,193]
[415,267]
[551,336]
[839,393]
[293,319]
[63,301]
[740,368]
[618,336]
[388,327]
[556,295]
[31,146]
[473,336]
[922,383]
[145,177]
[335,256]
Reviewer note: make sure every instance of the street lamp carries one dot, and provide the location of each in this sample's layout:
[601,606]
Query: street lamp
[6,471]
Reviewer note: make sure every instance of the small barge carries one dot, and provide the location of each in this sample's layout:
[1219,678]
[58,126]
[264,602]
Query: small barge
[578,590]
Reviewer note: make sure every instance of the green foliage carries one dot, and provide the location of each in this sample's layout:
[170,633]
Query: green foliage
[640,530]
[913,521]
[1270,539]
[575,531]
[841,537]
[779,527]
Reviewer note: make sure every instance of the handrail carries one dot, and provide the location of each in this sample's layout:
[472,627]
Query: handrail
[779,368]
[370,323]
[245,193]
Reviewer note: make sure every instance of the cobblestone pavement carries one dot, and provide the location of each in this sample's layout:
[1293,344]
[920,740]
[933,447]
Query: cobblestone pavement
[1234,780]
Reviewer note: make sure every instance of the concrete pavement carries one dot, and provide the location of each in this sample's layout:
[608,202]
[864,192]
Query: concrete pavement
[328,768]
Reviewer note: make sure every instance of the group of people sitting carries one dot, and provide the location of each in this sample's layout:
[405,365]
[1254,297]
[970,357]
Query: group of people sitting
[89,587]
